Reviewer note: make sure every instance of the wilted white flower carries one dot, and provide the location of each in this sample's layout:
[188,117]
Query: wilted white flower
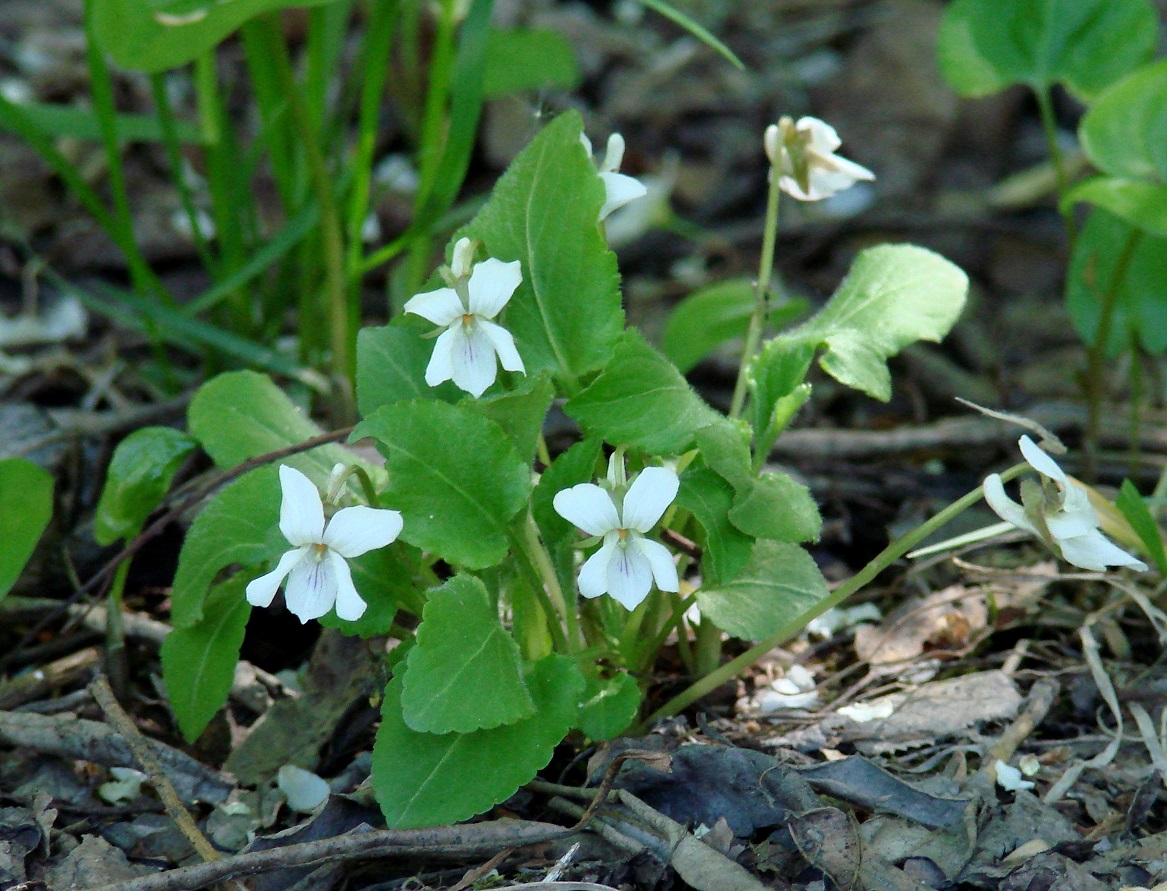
[125,786]
[1059,513]
[318,576]
[796,689]
[1009,778]
[627,562]
[619,189]
[304,790]
[465,352]
[803,156]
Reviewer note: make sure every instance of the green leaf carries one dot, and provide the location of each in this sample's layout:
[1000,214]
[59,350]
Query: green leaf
[465,672]
[154,35]
[778,584]
[26,505]
[893,296]
[1134,508]
[714,314]
[670,12]
[640,399]
[1140,297]
[242,414]
[576,465]
[139,476]
[520,412]
[455,477]
[426,779]
[773,374]
[525,59]
[709,498]
[1125,131]
[609,706]
[57,119]
[544,212]
[986,45]
[239,526]
[771,505]
[198,661]
[391,363]
[384,579]
[1140,203]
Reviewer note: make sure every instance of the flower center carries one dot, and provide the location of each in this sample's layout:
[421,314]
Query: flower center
[467,320]
[318,551]
[622,537]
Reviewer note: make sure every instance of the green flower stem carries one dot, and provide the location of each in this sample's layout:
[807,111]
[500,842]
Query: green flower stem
[1049,125]
[761,296]
[117,664]
[865,576]
[540,561]
[1095,382]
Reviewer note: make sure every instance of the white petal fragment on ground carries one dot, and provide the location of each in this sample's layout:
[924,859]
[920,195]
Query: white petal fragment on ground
[304,790]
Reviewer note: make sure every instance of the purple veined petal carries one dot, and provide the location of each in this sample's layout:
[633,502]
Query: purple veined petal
[441,364]
[355,530]
[1004,506]
[504,345]
[587,507]
[311,588]
[1040,461]
[301,511]
[593,577]
[823,138]
[618,191]
[1096,552]
[664,570]
[349,605]
[473,359]
[491,285]
[262,591]
[629,575]
[649,497]
[440,307]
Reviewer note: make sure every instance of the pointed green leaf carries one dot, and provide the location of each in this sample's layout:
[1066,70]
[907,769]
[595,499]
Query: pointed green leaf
[779,583]
[1134,508]
[726,548]
[426,779]
[1140,299]
[1141,203]
[986,45]
[385,580]
[455,477]
[640,399]
[893,296]
[465,672]
[520,412]
[239,526]
[1125,131]
[198,662]
[609,706]
[544,212]
[391,363]
[242,414]
[576,465]
[139,476]
[26,505]
[781,366]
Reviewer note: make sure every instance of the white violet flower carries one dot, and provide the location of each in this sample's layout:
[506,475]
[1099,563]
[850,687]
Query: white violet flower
[465,352]
[627,562]
[1059,513]
[318,576]
[803,156]
[619,189]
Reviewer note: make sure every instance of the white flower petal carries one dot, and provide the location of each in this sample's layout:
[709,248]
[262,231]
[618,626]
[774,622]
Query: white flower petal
[304,790]
[261,591]
[619,190]
[649,497]
[491,285]
[504,345]
[664,570]
[823,137]
[1096,552]
[301,512]
[349,605]
[440,307]
[1040,461]
[614,155]
[586,143]
[587,506]
[593,577]
[311,588]
[1004,506]
[629,576]
[473,359]
[463,259]
[441,364]
[355,530]
[1009,777]
[1070,524]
